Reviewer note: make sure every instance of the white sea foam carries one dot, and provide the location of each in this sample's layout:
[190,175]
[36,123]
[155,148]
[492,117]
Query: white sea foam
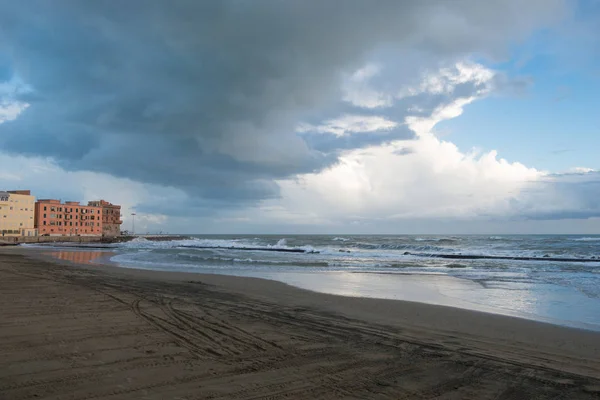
[234,244]
[199,258]
[420,239]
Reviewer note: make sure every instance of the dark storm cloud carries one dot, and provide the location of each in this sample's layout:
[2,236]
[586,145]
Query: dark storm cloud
[205,96]
[5,70]
[331,144]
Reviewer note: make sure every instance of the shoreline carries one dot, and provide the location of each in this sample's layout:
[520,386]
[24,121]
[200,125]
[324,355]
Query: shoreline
[372,347]
[422,288]
[102,242]
[267,289]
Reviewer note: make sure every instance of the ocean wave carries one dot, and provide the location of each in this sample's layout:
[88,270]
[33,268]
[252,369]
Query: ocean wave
[545,258]
[303,249]
[456,265]
[340,239]
[399,246]
[200,258]
[229,244]
[357,263]
[587,239]
[438,240]
[282,246]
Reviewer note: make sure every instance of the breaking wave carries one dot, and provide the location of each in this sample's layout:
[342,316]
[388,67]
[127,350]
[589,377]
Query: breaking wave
[228,244]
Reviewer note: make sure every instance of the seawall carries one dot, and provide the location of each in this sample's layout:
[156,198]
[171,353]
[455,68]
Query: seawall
[16,240]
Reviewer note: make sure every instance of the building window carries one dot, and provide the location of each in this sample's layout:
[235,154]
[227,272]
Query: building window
[44,208]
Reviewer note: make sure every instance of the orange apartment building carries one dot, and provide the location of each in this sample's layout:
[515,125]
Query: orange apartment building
[111,217]
[68,219]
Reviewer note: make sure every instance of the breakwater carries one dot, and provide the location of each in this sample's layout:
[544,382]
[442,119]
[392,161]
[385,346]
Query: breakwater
[16,240]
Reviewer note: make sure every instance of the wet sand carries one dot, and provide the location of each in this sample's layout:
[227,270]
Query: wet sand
[72,332]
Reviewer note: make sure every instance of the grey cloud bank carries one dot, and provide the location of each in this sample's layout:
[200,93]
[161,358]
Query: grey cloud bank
[561,196]
[205,96]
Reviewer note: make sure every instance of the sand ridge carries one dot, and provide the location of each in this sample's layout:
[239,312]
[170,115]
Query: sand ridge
[74,333]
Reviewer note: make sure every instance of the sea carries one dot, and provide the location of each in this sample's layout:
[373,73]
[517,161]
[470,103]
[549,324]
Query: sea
[550,278]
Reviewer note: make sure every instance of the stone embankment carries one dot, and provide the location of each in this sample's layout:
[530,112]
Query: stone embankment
[16,240]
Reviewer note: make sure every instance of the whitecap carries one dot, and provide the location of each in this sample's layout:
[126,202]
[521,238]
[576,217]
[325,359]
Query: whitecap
[340,239]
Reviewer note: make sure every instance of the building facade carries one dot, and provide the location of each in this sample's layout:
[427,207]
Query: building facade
[111,217]
[17,213]
[68,219]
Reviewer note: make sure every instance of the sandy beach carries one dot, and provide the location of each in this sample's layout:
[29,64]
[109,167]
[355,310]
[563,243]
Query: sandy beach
[81,332]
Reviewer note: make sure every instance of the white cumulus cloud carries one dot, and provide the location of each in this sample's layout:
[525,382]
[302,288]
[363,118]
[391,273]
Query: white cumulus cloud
[421,178]
[359,92]
[10,110]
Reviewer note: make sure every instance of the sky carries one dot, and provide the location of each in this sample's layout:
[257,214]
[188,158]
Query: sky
[308,116]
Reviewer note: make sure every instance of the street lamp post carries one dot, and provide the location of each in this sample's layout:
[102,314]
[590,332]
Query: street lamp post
[133,224]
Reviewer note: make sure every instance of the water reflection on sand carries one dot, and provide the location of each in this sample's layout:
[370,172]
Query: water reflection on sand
[79,257]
